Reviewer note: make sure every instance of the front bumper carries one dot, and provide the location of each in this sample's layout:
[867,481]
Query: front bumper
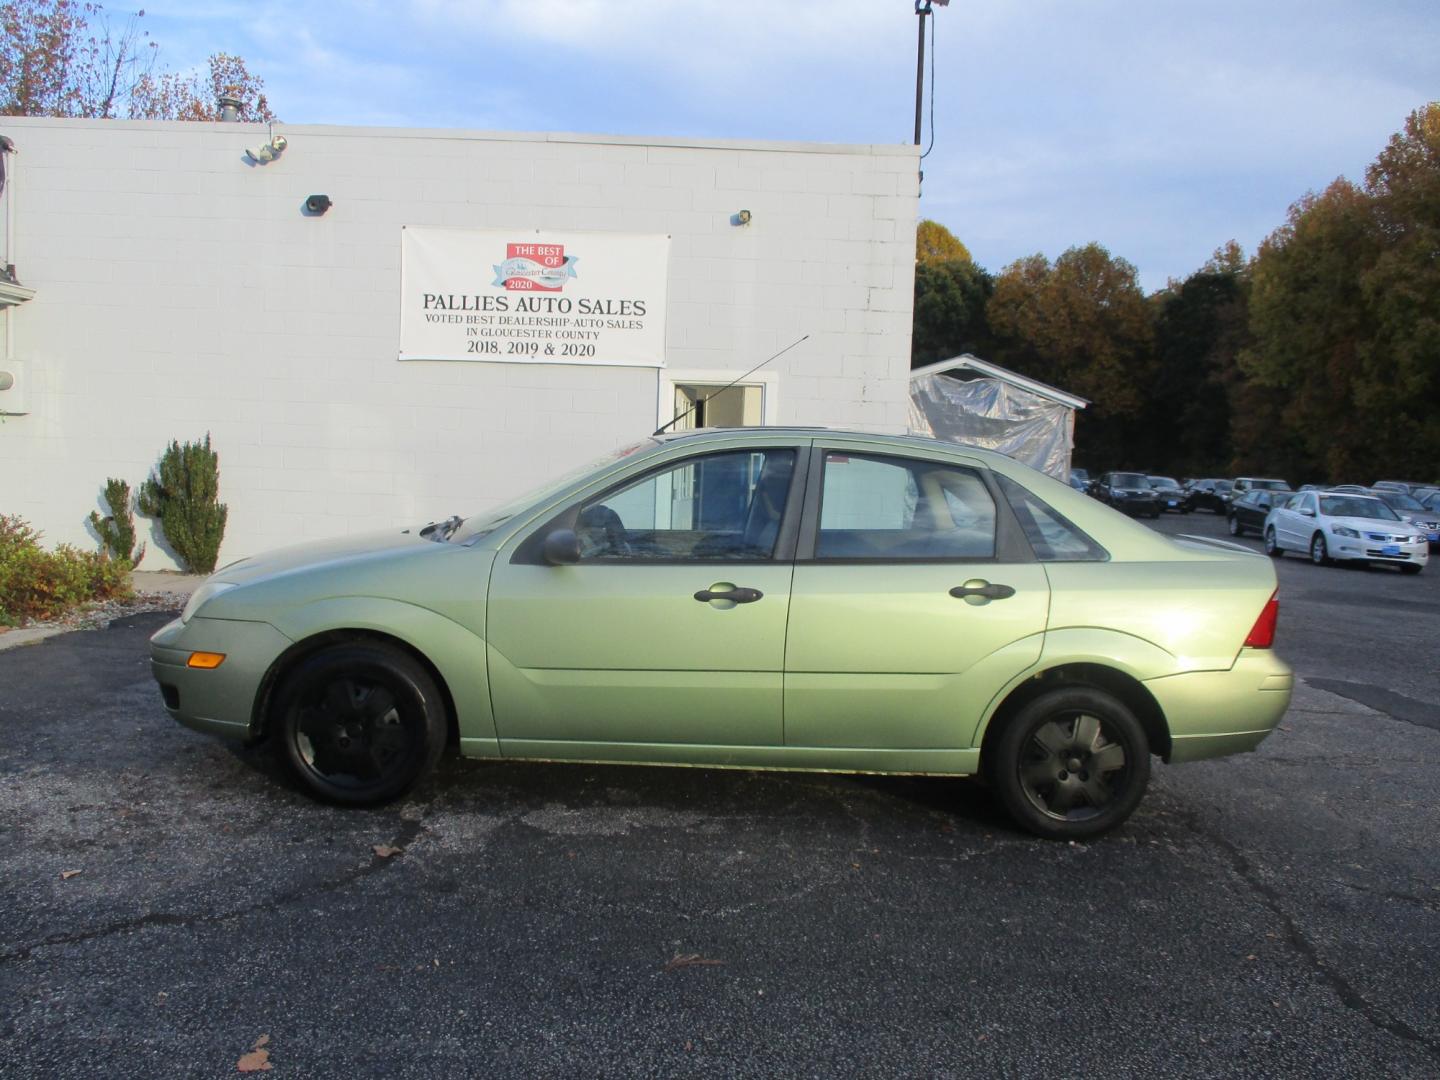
[219,701]
[1212,713]
[1368,549]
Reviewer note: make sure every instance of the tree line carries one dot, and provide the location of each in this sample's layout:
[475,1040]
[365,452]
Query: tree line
[1316,359]
[65,58]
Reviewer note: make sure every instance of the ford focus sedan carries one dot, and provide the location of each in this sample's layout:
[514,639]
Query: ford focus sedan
[754,598]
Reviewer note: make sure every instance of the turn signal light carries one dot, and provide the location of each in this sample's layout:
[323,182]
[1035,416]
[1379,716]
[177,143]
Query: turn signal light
[1262,634]
[206,660]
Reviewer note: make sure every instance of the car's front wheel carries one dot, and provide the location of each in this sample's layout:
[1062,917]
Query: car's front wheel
[1410,568]
[1235,527]
[1272,547]
[359,723]
[1319,553]
[1071,764]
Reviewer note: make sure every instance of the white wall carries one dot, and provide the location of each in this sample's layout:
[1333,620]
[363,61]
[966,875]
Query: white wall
[181,290]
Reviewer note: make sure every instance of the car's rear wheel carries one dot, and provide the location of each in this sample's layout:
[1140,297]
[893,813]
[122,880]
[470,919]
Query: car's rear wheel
[1272,547]
[360,723]
[1319,553]
[1071,764]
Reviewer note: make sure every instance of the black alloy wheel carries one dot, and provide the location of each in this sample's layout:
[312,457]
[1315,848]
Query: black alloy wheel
[1071,764]
[359,724]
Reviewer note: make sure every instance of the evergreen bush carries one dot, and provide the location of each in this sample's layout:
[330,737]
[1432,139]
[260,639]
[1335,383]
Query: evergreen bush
[117,532]
[183,493]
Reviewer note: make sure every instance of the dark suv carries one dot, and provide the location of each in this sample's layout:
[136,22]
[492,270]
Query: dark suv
[1130,492]
[1212,495]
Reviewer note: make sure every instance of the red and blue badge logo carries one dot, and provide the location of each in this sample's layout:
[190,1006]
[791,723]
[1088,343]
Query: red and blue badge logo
[535,268]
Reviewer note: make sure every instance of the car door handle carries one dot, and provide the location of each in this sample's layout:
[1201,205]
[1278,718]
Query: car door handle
[740,594]
[988,591]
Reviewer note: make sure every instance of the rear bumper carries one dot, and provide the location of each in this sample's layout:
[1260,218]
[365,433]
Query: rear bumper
[1212,713]
[219,701]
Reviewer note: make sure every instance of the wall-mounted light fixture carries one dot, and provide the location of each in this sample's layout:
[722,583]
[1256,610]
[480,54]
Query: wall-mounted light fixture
[741,217]
[316,205]
[269,151]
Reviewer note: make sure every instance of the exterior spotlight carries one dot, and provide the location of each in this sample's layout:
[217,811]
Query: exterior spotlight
[742,217]
[267,152]
[317,204]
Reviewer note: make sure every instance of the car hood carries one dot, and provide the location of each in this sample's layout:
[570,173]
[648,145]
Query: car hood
[361,547]
[1364,525]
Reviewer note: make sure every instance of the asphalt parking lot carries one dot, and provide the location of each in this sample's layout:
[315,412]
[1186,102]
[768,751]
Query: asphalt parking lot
[171,907]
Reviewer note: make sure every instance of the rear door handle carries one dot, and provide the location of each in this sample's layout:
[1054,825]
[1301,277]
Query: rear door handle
[740,594]
[983,590]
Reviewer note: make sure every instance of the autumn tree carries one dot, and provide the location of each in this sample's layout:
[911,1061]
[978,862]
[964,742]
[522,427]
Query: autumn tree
[935,243]
[950,299]
[64,58]
[1083,325]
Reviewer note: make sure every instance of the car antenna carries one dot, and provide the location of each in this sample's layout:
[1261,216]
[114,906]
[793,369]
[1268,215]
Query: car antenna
[757,367]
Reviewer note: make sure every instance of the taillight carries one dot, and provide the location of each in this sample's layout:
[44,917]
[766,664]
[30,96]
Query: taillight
[1262,634]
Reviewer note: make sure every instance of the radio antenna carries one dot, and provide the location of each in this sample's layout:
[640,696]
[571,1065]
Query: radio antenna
[727,386]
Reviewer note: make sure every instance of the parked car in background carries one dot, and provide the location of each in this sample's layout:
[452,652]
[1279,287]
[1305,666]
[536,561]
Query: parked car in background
[1339,527]
[1248,510]
[1083,476]
[1431,501]
[1414,511]
[1169,493]
[1128,492]
[1404,487]
[1348,489]
[1243,484]
[1209,494]
[786,598]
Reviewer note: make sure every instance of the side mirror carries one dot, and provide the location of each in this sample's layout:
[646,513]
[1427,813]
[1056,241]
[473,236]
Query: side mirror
[561,548]
[1307,512]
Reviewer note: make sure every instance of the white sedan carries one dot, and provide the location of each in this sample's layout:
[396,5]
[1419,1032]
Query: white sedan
[1333,527]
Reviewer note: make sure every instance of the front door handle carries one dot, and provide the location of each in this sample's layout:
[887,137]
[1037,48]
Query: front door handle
[736,594]
[981,591]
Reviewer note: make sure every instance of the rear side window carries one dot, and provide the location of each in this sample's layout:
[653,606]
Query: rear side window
[900,508]
[1051,534]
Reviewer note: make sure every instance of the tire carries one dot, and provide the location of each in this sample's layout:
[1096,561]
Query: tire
[1030,764]
[1319,553]
[1410,568]
[1236,529]
[1272,547]
[359,724]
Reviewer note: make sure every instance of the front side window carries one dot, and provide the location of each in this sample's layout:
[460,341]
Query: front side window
[898,508]
[720,506]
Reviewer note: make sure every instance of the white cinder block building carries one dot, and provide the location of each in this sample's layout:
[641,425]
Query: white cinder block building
[473,312]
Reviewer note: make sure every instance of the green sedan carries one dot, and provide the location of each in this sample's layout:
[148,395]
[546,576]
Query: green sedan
[767,598]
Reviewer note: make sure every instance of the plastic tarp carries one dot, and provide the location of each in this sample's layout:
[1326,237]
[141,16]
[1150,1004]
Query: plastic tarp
[995,415]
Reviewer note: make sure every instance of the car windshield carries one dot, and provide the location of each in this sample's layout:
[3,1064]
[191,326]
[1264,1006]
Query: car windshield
[1356,506]
[1270,485]
[1163,482]
[1223,485]
[473,528]
[1130,480]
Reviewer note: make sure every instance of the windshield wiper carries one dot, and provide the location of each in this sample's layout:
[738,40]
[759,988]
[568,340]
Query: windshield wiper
[440,531]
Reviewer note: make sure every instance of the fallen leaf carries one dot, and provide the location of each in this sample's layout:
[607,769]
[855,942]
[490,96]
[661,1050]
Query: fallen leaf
[66,875]
[255,1061]
[385,851]
[684,960]
[1252,956]
[263,1040]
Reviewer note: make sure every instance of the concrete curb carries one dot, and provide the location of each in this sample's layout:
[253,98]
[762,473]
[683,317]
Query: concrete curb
[149,582]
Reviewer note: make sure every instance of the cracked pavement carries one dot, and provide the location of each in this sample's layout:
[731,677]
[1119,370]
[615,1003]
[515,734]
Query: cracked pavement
[1273,913]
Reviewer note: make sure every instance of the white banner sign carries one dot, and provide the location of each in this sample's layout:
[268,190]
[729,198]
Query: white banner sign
[525,296]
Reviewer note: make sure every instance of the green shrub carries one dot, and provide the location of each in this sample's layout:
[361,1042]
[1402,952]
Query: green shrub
[117,532]
[184,494]
[40,584]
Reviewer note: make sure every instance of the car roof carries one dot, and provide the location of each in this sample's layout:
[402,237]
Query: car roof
[797,431]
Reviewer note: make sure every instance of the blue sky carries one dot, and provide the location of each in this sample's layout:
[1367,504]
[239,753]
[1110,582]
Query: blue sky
[1159,129]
